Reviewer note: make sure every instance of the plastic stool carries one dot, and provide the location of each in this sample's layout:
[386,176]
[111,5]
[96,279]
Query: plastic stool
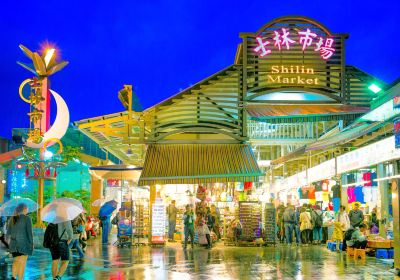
[328,244]
[341,246]
[391,253]
[332,246]
[359,253]
[382,254]
[350,251]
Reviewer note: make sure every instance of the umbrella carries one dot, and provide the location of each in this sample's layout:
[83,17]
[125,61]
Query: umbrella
[108,208]
[60,210]
[99,202]
[70,200]
[8,208]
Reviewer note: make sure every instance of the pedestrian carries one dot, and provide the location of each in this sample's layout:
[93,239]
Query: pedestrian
[188,221]
[358,239]
[356,216]
[210,220]
[297,226]
[217,220]
[328,218]
[279,222]
[337,234]
[203,231]
[21,240]
[105,228]
[3,231]
[305,226]
[77,228]
[171,212]
[60,250]
[343,218]
[289,220]
[317,222]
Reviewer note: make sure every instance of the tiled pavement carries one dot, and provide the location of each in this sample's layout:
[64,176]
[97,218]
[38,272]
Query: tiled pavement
[171,262]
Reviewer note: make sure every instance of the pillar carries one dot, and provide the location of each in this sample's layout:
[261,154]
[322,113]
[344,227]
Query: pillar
[96,192]
[384,205]
[2,185]
[343,191]
[396,220]
[153,194]
[39,222]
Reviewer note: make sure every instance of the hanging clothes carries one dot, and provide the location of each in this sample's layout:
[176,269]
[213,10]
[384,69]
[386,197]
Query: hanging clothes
[350,195]
[358,192]
[367,178]
[335,191]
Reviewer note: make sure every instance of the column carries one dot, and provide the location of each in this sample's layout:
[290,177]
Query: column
[396,220]
[384,205]
[153,194]
[96,191]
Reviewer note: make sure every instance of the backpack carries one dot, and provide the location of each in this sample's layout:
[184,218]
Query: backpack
[51,238]
[348,234]
[288,217]
[318,220]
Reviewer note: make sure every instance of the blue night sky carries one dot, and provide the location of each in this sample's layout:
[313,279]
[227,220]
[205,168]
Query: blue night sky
[167,45]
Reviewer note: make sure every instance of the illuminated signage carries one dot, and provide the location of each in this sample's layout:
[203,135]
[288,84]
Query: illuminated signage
[306,38]
[292,74]
[373,154]
[396,125]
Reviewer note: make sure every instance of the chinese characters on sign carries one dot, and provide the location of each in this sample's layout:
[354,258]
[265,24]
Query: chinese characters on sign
[306,38]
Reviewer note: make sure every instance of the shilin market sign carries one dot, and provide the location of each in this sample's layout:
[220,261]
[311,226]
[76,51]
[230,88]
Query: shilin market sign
[305,38]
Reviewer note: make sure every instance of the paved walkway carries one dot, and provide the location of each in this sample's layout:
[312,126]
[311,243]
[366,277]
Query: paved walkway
[109,262]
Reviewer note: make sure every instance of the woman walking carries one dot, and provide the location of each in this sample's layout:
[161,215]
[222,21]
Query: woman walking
[305,226]
[21,240]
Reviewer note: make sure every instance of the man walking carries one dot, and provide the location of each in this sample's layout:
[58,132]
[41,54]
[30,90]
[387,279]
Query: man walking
[188,221]
[61,250]
[356,216]
[289,220]
[171,212]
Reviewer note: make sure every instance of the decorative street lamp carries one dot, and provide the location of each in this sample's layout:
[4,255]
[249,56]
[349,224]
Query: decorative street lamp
[40,134]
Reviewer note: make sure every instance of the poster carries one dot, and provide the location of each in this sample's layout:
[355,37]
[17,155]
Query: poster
[158,223]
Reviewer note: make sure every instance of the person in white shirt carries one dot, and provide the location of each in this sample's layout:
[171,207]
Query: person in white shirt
[343,218]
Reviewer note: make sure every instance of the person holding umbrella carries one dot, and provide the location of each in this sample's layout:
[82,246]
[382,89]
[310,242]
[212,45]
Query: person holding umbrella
[21,240]
[59,214]
[105,215]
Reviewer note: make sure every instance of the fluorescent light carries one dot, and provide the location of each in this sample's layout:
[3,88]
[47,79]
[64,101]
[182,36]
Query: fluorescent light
[387,178]
[374,88]
[356,183]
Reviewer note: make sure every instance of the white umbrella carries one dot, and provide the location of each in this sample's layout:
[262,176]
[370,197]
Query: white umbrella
[70,200]
[8,208]
[60,211]
[99,202]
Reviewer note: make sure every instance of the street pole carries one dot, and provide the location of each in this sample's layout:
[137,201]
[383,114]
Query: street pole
[396,220]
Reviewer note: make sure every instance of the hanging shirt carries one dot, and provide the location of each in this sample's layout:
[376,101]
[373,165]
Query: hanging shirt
[367,178]
[367,191]
[311,193]
[350,195]
[318,196]
[373,177]
[325,196]
[336,191]
[358,192]
[318,187]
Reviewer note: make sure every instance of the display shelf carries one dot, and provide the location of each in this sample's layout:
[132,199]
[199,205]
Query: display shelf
[250,218]
[269,224]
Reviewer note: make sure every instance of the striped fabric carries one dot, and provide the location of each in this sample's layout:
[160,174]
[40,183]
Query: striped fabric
[199,164]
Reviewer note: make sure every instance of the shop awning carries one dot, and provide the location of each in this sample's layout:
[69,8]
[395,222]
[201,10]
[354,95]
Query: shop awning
[278,113]
[344,136]
[199,164]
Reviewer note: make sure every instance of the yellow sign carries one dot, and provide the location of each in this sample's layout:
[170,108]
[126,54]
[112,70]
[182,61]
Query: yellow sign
[292,75]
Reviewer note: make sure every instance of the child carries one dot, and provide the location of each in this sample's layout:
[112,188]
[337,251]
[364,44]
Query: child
[337,235]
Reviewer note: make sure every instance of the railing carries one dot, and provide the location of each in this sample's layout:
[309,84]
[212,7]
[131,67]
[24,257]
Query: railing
[300,131]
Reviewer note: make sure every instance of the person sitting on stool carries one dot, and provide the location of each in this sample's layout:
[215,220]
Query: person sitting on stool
[358,239]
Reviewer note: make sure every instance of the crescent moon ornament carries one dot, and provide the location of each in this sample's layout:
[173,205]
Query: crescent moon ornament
[48,143]
[21,86]
[59,127]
